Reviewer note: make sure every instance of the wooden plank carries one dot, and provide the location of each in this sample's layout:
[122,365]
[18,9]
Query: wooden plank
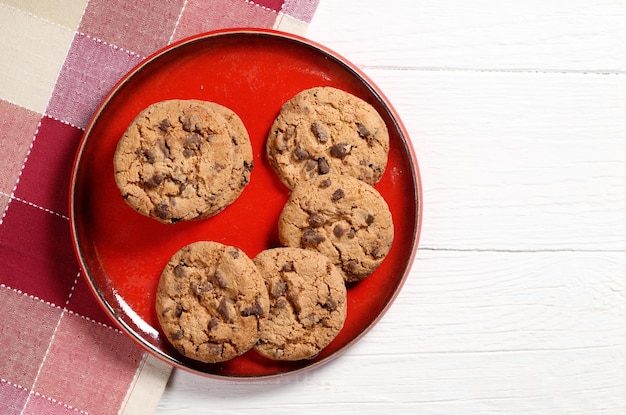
[482,302]
[531,35]
[521,161]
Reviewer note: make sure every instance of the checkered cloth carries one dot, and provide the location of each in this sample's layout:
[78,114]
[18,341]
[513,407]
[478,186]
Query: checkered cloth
[60,354]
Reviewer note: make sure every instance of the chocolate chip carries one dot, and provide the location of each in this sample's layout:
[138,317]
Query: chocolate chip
[233,253]
[378,253]
[322,166]
[369,219]
[279,289]
[340,150]
[325,183]
[179,271]
[365,133]
[331,303]
[292,295]
[311,237]
[192,141]
[155,180]
[288,267]
[224,309]
[192,184]
[186,122]
[320,132]
[374,169]
[300,154]
[150,156]
[179,310]
[351,267]
[316,220]
[177,335]
[255,310]
[245,178]
[165,124]
[310,165]
[213,323]
[197,289]
[281,303]
[337,195]
[290,132]
[339,231]
[245,172]
[351,233]
[221,280]
[215,348]
[249,166]
[162,210]
[201,289]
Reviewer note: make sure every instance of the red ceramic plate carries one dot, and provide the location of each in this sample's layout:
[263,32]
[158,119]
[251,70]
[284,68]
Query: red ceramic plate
[253,72]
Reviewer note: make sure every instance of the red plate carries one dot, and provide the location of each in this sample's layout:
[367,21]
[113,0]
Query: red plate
[253,72]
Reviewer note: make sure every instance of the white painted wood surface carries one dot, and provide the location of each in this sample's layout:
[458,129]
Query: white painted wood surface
[516,303]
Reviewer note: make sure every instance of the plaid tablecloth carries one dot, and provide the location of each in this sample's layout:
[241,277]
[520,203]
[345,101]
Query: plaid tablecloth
[59,352]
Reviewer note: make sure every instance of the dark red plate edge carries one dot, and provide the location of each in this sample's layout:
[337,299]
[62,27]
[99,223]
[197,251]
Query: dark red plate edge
[128,331]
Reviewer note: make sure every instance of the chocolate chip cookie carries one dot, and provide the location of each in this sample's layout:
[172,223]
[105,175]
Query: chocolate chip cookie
[326,130]
[210,302]
[182,160]
[307,303]
[343,218]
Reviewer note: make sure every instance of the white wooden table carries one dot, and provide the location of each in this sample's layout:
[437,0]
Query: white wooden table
[516,303]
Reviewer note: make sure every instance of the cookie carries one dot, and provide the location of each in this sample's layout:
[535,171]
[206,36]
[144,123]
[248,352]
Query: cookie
[326,130]
[307,303]
[210,302]
[182,160]
[343,218]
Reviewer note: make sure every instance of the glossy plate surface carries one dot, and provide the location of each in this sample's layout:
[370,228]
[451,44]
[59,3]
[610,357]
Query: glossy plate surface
[253,72]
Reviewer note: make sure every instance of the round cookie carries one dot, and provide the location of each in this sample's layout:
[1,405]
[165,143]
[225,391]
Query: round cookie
[343,218]
[210,302]
[181,160]
[307,303]
[326,130]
